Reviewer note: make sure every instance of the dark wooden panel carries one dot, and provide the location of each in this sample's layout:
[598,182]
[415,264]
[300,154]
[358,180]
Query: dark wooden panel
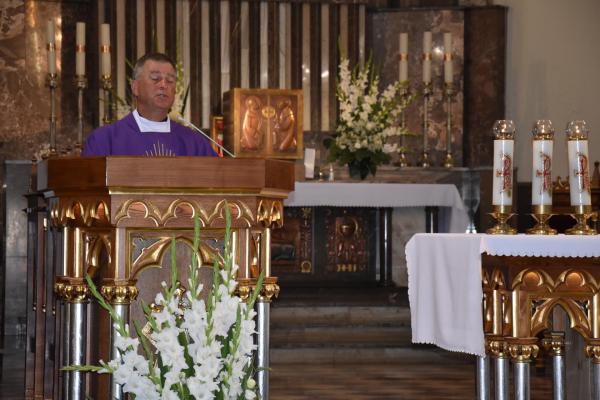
[296,46]
[151,26]
[130,43]
[195,60]
[254,48]
[485,67]
[235,44]
[171,28]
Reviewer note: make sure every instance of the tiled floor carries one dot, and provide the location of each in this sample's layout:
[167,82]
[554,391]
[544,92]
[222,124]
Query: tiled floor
[451,379]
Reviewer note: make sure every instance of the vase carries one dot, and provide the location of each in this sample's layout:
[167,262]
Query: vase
[360,169]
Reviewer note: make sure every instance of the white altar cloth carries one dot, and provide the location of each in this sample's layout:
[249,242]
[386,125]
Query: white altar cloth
[444,280]
[340,194]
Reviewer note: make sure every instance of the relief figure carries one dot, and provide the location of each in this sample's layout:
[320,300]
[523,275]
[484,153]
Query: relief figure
[285,126]
[251,134]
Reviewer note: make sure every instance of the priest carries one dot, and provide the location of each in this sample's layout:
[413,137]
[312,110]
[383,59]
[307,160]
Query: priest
[148,130]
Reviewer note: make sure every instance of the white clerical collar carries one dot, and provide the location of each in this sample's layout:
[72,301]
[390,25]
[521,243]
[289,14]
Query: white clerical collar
[146,125]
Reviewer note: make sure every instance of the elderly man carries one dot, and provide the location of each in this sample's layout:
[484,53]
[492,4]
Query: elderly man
[148,130]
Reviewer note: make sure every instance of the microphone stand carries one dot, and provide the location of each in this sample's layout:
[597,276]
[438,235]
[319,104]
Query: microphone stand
[195,128]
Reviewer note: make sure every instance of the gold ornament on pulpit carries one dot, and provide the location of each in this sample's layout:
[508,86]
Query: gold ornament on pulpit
[504,133]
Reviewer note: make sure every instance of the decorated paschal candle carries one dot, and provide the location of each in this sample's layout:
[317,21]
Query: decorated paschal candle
[504,133]
[579,171]
[541,173]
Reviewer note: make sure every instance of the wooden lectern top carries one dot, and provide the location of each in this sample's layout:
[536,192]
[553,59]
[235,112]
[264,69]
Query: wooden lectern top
[68,174]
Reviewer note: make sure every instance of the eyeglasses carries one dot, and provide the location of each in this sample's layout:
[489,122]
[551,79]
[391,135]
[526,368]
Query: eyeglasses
[156,77]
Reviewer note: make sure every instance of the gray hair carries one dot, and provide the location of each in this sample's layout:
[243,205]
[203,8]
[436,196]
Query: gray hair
[159,57]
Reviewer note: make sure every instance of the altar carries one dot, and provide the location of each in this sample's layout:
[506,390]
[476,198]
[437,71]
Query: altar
[494,296]
[443,207]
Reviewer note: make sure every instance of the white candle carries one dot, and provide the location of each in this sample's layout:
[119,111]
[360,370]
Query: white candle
[448,68]
[541,177]
[503,170]
[403,57]
[427,57]
[80,50]
[105,49]
[51,47]
[579,173]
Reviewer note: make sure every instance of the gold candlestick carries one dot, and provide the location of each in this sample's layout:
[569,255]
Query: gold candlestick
[581,215]
[107,86]
[52,84]
[449,95]
[502,214]
[404,96]
[81,84]
[427,92]
[542,214]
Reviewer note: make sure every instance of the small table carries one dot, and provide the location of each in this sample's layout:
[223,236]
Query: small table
[452,216]
[517,280]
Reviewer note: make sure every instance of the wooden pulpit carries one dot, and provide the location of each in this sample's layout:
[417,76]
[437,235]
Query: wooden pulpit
[114,218]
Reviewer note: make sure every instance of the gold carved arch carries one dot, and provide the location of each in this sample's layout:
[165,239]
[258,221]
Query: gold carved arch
[79,212]
[153,255]
[95,244]
[185,209]
[540,320]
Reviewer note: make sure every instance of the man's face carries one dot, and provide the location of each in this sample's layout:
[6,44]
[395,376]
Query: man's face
[154,89]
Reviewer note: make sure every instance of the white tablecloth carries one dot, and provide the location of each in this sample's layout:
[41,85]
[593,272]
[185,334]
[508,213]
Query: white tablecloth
[444,280]
[339,194]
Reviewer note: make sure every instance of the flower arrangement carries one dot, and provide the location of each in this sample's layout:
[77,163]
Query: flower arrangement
[367,120]
[194,349]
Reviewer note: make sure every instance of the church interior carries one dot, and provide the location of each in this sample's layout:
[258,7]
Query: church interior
[454,257]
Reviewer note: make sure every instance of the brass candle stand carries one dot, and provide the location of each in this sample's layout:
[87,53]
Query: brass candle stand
[81,84]
[449,93]
[581,215]
[427,92]
[404,96]
[502,214]
[52,84]
[107,86]
[542,215]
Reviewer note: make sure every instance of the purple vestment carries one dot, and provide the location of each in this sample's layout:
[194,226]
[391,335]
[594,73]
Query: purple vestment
[123,138]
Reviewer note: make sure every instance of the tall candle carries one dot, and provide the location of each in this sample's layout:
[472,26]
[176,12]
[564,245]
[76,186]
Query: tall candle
[448,68]
[427,57]
[541,176]
[105,49]
[579,172]
[541,173]
[51,47]
[80,49]
[403,57]
[502,184]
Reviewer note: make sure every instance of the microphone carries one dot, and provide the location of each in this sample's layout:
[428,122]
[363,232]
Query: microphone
[195,128]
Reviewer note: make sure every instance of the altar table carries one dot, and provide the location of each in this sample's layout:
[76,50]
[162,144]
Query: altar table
[493,294]
[385,196]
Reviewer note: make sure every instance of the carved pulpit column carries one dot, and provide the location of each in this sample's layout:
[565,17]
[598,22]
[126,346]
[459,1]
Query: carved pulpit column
[119,295]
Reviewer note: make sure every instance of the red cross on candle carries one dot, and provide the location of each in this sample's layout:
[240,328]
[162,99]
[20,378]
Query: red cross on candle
[545,173]
[505,173]
[582,172]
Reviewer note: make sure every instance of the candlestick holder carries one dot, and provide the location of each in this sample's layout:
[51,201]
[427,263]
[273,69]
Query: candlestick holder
[542,214]
[427,92]
[81,84]
[449,93]
[404,93]
[502,214]
[107,86]
[581,215]
[52,82]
